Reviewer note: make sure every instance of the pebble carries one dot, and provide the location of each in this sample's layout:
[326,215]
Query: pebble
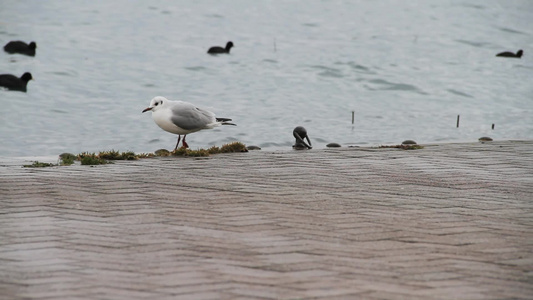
[408,142]
[333,145]
[162,152]
[67,155]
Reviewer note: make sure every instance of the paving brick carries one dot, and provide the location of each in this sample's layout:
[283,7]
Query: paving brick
[446,221]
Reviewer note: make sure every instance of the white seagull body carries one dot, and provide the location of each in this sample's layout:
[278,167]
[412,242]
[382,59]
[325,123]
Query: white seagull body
[181,117]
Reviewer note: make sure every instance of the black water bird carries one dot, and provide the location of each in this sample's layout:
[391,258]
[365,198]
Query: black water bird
[12,82]
[220,50]
[511,54]
[300,134]
[20,47]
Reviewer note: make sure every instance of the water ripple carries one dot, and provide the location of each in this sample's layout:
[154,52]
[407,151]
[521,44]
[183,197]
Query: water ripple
[475,44]
[391,86]
[196,68]
[82,65]
[272,144]
[511,30]
[459,93]
[328,71]
[356,67]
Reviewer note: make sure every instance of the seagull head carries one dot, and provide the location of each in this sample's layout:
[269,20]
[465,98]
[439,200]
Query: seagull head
[156,103]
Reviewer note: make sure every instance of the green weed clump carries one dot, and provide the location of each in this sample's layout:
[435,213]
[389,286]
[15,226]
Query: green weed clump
[112,155]
[145,155]
[191,153]
[38,164]
[226,148]
[233,147]
[66,159]
[106,157]
[213,150]
[91,159]
[115,155]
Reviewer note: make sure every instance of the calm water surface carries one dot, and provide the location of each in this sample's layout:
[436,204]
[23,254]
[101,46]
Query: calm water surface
[406,68]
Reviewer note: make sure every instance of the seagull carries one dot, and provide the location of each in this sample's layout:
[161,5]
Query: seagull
[12,82]
[180,117]
[511,54]
[220,50]
[21,48]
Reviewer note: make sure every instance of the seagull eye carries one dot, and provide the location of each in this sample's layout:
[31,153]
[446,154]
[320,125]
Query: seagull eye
[156,103]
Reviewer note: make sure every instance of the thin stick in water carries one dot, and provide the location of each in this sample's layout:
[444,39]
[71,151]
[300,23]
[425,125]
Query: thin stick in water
[458,121]
[353,112]
[492,126]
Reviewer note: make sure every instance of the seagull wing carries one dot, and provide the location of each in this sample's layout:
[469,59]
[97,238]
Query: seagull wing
[189,117]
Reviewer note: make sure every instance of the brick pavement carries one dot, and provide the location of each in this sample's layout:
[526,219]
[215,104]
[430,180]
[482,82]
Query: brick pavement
[450,221]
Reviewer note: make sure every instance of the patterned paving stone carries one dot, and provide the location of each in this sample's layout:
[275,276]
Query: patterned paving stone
[446,221]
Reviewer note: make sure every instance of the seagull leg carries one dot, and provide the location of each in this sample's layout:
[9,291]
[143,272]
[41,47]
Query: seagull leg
[179,138]
[184,142]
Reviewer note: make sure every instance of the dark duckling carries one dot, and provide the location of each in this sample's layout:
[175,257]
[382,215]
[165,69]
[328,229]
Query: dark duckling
[12,82]
[511,54]
[220,50]
[20,47]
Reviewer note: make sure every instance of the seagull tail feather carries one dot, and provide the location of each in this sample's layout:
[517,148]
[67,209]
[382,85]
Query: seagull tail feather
[225,121]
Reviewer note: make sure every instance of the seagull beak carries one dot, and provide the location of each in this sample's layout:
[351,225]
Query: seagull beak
[147,109]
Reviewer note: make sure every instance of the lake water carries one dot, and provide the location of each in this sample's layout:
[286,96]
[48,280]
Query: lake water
[406,69]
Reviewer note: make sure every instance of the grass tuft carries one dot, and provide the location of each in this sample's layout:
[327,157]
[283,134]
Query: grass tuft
[115,155]
[226,148]
[38,164]
[66,159]
[189,152]
[128,155]
[91,159]
[233,147]
[145,155]
[213,150]
[106,157]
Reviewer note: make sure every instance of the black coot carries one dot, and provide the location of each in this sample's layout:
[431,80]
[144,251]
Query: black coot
[20,47]
[511,54]
[220,50]
[12,82]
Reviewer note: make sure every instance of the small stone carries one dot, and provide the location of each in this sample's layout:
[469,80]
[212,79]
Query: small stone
[408,142]
[333,145]
[162,152]
[253,148]
[67,156]
[485,139]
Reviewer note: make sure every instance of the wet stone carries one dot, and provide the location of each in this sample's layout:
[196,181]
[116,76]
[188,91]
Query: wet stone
[333,145]
[162,152]
[485,139]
